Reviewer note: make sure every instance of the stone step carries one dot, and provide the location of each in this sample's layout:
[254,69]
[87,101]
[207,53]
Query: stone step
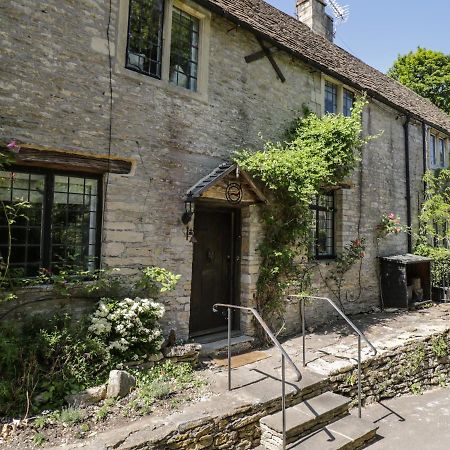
[219,346]
[302,418]
[347,433]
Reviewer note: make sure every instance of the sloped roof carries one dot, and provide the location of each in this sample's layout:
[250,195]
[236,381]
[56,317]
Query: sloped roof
[295,37]
[213,177]
[218,174]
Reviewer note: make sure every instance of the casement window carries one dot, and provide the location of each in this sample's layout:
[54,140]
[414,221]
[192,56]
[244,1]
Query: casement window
[184,49]
[331,97]
[145,37]
[347,103]
[59,229]
[438,152]
[167,41]
[441,147]
[323,226]
[337,99]
[433,157]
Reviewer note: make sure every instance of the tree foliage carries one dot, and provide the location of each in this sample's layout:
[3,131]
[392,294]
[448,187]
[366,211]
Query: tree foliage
[426,72]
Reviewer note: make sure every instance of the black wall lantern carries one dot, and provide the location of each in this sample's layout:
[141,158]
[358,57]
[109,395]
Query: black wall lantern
[186,217]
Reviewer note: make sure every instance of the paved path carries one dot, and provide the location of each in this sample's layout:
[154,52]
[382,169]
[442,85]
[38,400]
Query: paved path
[418,422]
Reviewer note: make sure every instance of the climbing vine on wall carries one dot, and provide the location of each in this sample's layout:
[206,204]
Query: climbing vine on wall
[321,152]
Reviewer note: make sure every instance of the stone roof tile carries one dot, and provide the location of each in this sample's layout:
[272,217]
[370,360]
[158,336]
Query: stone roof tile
[295,37]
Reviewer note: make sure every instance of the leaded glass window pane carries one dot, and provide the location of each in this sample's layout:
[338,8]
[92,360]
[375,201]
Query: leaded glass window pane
[323,226]
[348,101]
[330,98]
[56,228]
[184,50]
[145,36]
[24,251]
[442,152]
[433,150]
[74,222]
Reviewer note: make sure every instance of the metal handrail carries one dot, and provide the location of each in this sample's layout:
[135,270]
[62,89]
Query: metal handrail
[277,344]
[352,325]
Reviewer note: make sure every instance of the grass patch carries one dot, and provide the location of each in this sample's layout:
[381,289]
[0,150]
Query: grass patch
[163,382]
[39,439]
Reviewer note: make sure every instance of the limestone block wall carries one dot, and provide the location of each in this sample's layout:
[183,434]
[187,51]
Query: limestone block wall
[411,368]
[55,91]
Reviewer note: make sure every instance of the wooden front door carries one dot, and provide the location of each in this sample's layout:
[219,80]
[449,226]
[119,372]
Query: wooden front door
[215,270]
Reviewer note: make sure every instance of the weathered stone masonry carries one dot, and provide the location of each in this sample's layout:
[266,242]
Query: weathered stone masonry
[54,91]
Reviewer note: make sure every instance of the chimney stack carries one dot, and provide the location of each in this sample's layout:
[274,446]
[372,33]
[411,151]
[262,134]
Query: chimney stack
[312,13]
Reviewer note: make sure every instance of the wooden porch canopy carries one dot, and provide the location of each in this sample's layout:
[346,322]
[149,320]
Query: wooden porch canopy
[227,183]
[38,156]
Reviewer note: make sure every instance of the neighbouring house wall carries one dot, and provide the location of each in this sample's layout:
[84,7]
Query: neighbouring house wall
[54,91]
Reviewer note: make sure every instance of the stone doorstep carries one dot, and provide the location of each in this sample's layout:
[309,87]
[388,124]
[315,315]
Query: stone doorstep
[347,433]
[239,344]
[303,418]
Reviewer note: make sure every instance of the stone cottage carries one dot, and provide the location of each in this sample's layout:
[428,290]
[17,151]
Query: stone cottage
[127,111]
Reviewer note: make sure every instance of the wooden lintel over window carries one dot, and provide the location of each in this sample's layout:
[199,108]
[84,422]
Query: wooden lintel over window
[29,155]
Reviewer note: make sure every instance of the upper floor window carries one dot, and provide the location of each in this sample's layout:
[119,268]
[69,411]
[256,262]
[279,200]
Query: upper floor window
[442,152]
[60,226]
[184,49]
[331,97]
[323,226]
[347,104]
[145,37]
[433,156]
[166,41]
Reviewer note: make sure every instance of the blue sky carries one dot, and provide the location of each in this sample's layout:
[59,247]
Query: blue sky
[378,30]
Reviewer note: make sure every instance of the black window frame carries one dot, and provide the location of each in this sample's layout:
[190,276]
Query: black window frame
[175,56]
[48,200]
[160,45]
[316,208]
[331,89]
[347,97]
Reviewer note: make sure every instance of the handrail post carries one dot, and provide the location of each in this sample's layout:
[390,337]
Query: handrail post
[302,312]
[359,376]
[229,349]
[283,398]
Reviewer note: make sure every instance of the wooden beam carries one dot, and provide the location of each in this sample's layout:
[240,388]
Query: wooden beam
[39,156]
[258,55]
[270,57]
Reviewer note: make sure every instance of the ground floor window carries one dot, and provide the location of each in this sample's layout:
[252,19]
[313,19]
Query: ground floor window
[58,226]
[323,226]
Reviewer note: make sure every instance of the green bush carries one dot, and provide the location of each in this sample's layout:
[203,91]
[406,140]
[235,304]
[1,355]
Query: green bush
[43,360]
[440,268]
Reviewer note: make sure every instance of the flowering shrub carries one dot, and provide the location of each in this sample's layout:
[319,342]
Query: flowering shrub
[390,224]
[128,326]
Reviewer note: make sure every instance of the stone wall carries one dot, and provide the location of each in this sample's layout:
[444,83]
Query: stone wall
[45,301]
[411,368]
[56,93]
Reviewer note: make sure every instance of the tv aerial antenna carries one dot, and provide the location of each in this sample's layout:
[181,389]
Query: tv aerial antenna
[341,13]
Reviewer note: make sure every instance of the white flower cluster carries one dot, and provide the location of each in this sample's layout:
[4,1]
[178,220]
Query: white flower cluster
[128,324]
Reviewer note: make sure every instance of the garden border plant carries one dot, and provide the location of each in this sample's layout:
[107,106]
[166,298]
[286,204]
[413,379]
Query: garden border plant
[320,152]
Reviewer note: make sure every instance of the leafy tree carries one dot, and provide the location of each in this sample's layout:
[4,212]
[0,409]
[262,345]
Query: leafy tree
[426,72]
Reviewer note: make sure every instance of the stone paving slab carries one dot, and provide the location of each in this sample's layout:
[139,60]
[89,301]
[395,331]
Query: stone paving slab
[413,422]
